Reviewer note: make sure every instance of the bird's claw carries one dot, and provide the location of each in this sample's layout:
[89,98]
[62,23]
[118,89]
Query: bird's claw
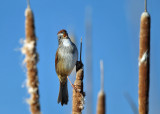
[74,87]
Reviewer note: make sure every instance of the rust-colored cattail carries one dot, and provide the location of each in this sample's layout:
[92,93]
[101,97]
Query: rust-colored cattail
[101,95]
[31,59]
[144,63]
[78,94]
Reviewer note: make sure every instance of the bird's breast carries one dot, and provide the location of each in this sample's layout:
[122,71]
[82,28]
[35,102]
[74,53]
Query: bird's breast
[68,57]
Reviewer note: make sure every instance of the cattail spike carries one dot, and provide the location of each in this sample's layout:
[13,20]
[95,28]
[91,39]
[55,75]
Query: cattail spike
[144,64]
[102,75]
[78,96]
[81,49]
[101,103]
[145,5]
[31,59]
[28,3]
[101,95]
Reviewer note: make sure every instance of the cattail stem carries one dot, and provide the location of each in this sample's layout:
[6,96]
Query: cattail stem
[31,59]
[28,3]
[144,63]
[102,75]
[101,95]
[78,96]
[81,49]
[145,5]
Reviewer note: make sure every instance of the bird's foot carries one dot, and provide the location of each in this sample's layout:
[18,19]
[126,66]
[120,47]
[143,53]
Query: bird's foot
[74,87]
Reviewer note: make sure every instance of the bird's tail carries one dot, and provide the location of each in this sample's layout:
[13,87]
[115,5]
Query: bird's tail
[63,93]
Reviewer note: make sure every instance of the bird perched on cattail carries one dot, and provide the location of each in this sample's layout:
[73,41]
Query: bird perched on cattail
[66,58]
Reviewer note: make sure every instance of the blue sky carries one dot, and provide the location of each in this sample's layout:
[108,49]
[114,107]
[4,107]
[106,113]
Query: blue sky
[115,39]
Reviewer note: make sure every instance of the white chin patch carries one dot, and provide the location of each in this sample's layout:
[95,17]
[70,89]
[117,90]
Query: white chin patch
[66,42]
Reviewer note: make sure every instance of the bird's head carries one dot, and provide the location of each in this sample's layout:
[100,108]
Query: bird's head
[62,34]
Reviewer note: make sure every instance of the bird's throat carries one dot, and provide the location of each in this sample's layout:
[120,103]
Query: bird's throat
[66,42]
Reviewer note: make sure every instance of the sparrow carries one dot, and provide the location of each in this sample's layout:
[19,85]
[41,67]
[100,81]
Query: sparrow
[65,60]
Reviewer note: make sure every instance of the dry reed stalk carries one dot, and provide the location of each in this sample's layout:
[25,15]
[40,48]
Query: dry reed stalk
[144,63]
[88,61]
[78,94]
[101,95]
[31,59]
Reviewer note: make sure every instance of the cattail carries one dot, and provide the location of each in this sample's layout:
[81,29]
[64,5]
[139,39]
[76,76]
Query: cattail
[78,94]
[31,59]
[144,63]
[101,95]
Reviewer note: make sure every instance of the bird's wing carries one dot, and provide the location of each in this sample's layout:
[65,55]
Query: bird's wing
[56,60]
[60,70]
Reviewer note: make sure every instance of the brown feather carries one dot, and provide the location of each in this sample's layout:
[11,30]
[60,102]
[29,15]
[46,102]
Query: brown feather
[56,60]
[65,34]
[60,70]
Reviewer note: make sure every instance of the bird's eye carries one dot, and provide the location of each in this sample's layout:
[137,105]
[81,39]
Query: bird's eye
[60,36]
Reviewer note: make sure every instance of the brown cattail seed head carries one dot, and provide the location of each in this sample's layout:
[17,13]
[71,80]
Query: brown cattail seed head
[101,103]
[144,63]
[78,96]
[31,59]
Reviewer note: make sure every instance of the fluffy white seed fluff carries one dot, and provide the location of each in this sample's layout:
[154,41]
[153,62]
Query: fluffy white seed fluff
[145,14]
[143,58]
